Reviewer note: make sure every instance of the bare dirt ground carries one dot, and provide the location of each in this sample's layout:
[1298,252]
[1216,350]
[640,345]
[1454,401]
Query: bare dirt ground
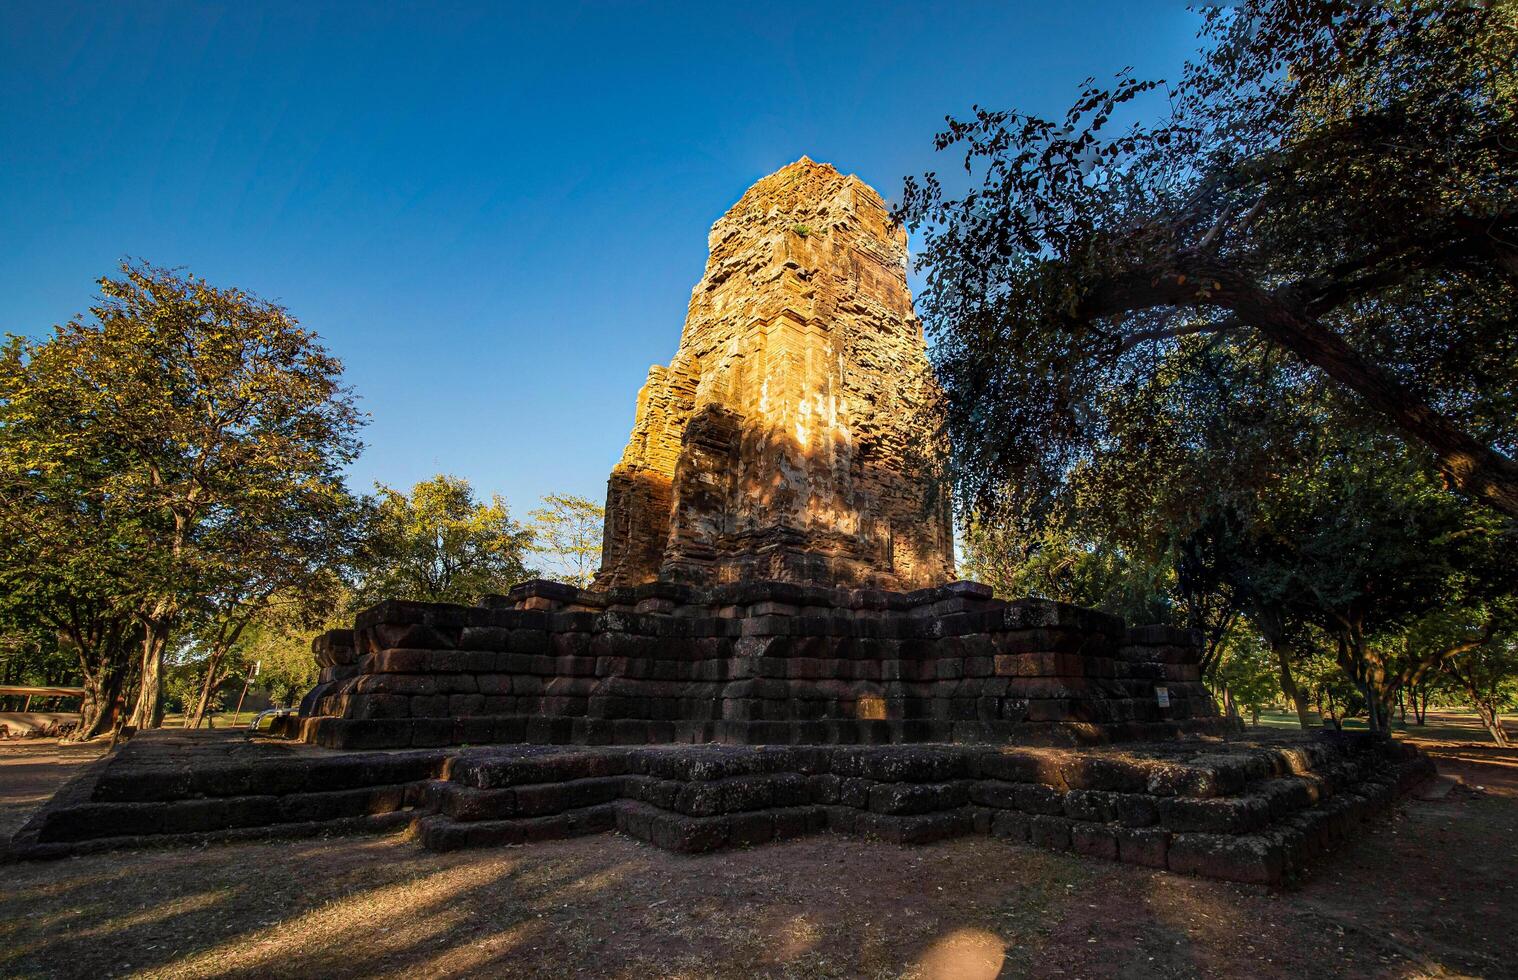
[1427,892]
[31,770]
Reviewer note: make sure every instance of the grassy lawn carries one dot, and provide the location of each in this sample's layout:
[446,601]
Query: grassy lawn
[1445,724]
[220,719]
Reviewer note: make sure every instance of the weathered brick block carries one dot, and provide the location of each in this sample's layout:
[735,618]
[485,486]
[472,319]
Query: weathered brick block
[1011,825]
[912,798]
[1142,845]
[465,705]
[750,828]
[994,793]
[364,706]
[1232,815]
[429,706]
[1034,798]
[483,638]
[1049,831]
[1093,840]
[1247,858]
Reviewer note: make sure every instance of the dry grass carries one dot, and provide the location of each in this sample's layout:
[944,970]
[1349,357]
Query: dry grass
[1425,895]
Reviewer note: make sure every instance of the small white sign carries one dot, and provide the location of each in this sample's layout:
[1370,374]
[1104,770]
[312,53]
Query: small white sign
[1162,695]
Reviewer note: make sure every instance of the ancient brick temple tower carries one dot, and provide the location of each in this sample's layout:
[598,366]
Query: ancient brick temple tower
[783,441]
[777,557]
[774,581]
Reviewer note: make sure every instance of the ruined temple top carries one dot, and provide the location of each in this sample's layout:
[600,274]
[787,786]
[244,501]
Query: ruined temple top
[786,440]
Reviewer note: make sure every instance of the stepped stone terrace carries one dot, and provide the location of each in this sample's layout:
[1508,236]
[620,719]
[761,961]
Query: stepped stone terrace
[751,663]
[1259,810]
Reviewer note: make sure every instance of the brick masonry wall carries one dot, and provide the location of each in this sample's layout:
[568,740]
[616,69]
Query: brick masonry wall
[751,663]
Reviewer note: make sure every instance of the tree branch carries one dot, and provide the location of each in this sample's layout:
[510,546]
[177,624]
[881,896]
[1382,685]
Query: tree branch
[1282,316]
[1132,340]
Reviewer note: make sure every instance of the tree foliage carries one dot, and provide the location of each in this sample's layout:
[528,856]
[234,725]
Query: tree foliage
[1486,672]
[567,532]
[1333,184]
[439,543]
[184,443]
[1244,351]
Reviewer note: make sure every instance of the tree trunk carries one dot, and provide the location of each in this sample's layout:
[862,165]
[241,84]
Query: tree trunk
[148,712]
[208,687]
[1289,685]
[102,703]
[103,648]
[1469,464]
[1493,721]
[193,718]
[226,638]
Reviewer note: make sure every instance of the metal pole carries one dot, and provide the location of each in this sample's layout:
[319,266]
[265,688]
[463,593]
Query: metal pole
[237,715]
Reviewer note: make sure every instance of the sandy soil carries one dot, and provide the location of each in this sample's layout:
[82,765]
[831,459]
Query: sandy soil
[31,770]
[1424,894]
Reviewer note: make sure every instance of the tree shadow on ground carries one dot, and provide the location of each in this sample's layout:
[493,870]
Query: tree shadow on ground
[1421,891]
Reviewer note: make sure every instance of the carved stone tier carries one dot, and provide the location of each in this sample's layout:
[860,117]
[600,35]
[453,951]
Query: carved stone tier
[751,663]
[1256,809]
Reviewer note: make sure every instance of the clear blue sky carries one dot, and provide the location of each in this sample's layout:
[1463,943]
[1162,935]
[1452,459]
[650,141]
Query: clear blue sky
[493,214]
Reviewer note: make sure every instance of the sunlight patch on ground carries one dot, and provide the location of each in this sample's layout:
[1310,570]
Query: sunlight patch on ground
[392,919]
[964,954]
[799,935]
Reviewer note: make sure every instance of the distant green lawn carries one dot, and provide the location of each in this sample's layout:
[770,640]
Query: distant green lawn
[222,719]
[1450,724]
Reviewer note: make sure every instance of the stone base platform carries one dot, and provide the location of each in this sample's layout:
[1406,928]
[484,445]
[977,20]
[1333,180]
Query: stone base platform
[1247,809]
[749,664]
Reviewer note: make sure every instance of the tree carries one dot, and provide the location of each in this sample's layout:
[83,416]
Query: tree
[1477,640]
[1333,695]
[32,655]
[1488,676]
[68,567]
[281,645]
[287,573]
[190,419]
[567,530]
[440,544]
[1053,559]
[1246,673]
[1264,502]
[234,621]
[1334,184]
[1371,545]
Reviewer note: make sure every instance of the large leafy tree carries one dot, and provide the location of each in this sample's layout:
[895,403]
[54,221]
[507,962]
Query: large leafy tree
[286,592]
[67,573]
[440,543]
[1267,503]
[1059,559]
[196,425]
[1370,544]
[1334,184]
[567,532]
[1488,673]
